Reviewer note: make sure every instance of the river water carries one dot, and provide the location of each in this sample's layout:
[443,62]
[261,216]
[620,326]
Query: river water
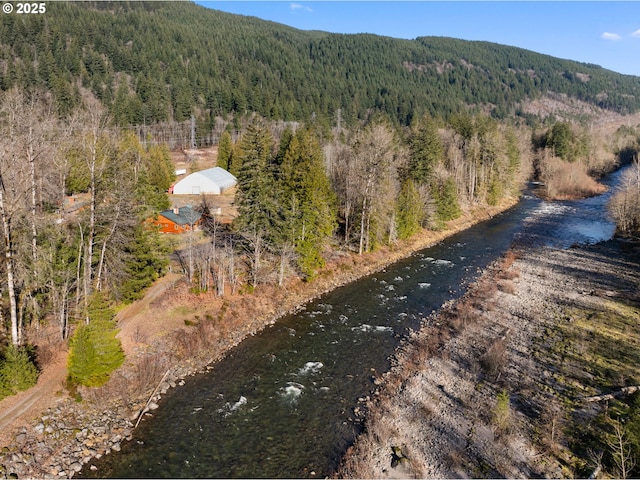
[281,405]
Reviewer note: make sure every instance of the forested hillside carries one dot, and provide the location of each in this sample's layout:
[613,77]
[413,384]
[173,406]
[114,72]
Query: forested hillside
[163,61]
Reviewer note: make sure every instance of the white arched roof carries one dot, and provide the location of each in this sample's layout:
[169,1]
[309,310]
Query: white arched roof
[212,181]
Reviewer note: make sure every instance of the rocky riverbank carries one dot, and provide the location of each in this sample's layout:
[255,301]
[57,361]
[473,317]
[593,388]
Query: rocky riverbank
[492,385]
[94,422]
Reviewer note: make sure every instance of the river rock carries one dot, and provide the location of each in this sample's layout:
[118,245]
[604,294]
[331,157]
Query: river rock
[87,453]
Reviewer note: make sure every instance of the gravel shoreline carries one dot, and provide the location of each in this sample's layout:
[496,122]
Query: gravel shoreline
[434,415]
[59,442]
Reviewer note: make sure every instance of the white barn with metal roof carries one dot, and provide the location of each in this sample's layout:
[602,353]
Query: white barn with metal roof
[213,181]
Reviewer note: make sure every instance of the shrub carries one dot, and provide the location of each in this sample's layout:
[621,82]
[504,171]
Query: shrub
[625,203]
[567,180]
[495,358]
[95,351]
[17,371]
[502,412]
[506,287]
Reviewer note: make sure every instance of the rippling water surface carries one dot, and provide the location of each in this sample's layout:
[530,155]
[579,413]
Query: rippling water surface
[281,404]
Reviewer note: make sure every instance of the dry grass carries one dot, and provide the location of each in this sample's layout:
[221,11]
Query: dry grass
[508,259]
[495,358]
[45,354]
[564,180]
[506,286]
[510,274]
[360,465]
[126,385]
[455,459]
[463,314]
[484,289]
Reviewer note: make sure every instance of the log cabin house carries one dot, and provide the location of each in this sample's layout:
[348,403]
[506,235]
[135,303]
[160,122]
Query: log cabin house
[176,220]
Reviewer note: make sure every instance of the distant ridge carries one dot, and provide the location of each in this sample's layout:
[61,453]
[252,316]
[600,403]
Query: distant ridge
[163,61]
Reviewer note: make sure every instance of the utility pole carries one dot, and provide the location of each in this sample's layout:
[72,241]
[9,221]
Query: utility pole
[193,131]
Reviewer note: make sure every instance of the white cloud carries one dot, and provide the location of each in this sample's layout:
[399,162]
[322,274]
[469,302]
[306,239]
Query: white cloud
[297,6]
[610,36]
[636,34]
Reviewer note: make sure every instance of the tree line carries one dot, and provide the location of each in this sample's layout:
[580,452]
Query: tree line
[304,192]
[59,259]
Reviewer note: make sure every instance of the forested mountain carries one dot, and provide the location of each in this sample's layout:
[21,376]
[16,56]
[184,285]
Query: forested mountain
[161,61]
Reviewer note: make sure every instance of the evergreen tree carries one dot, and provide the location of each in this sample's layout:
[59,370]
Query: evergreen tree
[425,150]
[94,349]
[235,161]
[561,139]
[285,139]
[156,176]
[120,107]
[496,190]
[255,198]
[225,149]
[17,371]
[308,200]
[446,199]
[410,210]
[258,217]
[147,260]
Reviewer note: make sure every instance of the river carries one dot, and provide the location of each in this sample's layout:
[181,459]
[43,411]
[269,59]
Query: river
[281,404]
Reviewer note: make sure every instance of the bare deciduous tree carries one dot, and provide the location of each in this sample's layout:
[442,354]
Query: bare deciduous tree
[625,203]
[373,154]
[25,151]
[621,450]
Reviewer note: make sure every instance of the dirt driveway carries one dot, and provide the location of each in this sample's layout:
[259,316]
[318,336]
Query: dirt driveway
[18,410]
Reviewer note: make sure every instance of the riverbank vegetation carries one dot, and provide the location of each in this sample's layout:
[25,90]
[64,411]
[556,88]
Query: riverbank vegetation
[570,158]
[625,203]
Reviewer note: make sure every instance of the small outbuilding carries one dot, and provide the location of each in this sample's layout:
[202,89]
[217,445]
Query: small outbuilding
[212,181]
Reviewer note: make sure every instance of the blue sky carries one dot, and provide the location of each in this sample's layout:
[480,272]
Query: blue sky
[599,32]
